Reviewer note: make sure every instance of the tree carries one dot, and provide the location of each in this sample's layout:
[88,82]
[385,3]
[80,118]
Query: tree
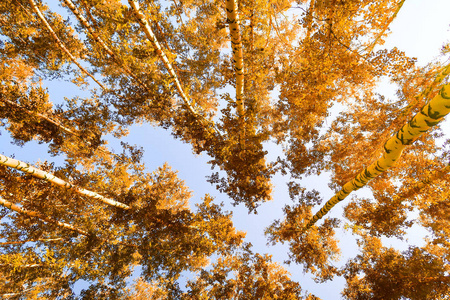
[228,78]
[314,249]
[389,274]
[430,115]
[112,241]
[244,276]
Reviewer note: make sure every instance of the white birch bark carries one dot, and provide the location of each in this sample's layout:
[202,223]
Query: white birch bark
[443,73]
[29,241]
[58,124]
[24,167]
[24,266]
[39,115]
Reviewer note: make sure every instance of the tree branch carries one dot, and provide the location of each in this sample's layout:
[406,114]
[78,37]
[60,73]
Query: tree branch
[21,166]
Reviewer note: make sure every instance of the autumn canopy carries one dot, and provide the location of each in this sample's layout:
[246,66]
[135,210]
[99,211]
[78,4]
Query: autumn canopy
[227,78]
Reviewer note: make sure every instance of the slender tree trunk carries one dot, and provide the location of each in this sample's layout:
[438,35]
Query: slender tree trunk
[389,21]
[158,49]
[38,215]
[430,115]
[24,167]
[30,241]
[6,296]
[24,266]
[444,72]
[238,57]
[56,123]
[61,44]
[39,115]
[34,214]
[102,44]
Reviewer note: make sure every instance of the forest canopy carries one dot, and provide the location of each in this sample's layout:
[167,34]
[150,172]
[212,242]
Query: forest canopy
[227,78]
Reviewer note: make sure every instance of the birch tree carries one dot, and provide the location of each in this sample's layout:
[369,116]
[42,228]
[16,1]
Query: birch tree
[103,244]
[430,115]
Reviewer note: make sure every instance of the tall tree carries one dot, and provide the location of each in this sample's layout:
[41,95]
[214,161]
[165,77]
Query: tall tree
[430,115]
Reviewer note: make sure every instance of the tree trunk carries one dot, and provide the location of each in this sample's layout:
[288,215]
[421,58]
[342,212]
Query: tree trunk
[430,115]
[238,57]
